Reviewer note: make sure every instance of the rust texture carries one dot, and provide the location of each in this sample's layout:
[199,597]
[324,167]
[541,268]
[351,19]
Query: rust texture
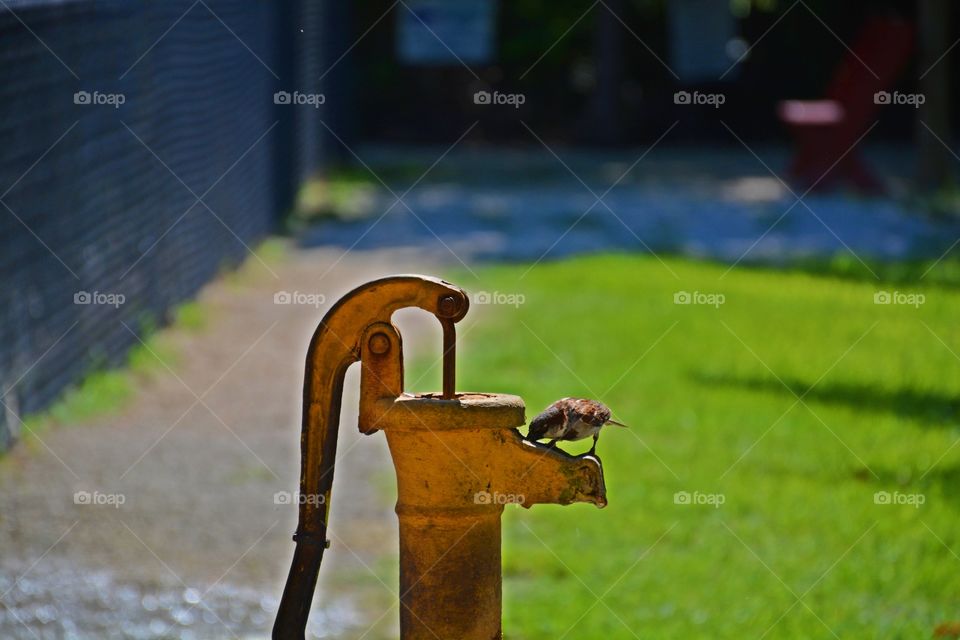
[459,460]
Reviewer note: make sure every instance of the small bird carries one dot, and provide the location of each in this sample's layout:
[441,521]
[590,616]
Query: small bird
[571,419]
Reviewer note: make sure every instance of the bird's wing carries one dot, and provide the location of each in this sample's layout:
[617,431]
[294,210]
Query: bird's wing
[592,412]
[549,418]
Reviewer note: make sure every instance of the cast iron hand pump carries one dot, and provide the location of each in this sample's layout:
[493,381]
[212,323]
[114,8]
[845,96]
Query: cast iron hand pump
[456,455]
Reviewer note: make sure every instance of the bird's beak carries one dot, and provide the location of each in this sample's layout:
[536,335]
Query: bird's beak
[619,424]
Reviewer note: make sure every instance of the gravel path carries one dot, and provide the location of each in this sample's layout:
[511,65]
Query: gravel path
[199,548]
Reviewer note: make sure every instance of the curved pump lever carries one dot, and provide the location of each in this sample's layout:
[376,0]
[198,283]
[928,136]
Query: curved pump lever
[334,347]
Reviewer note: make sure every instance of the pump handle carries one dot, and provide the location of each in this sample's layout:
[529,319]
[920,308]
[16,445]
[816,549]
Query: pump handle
[334,347]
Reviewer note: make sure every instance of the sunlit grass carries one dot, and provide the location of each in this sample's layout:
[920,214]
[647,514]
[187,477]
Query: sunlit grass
[712,396]
[191,316]
[343,194]
[258,264]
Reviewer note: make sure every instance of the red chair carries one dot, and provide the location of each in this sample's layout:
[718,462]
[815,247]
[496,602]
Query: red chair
[824,130]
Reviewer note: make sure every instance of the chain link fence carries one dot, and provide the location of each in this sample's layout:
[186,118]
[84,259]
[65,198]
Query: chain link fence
[145,148]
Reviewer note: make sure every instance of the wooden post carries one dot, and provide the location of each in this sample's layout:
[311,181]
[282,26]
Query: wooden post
[933,159]
[603,112]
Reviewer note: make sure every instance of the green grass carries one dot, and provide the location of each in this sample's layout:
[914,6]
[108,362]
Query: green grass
[344,194]
[100,392]
[709,393]
[257,264]
[191,316]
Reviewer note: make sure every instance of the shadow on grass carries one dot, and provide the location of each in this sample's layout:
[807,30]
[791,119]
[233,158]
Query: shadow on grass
[937,483]
[926,406]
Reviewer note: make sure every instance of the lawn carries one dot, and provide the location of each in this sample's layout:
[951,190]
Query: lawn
[794,402]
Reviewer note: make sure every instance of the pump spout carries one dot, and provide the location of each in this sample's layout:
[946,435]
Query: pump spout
[546,475]
[447,450]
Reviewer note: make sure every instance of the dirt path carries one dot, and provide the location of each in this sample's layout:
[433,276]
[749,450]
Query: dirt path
[199,548]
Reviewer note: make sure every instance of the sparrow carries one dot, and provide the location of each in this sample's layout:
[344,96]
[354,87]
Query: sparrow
[571,419]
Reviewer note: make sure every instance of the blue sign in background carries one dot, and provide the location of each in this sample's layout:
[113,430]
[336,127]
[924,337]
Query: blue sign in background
[437,32]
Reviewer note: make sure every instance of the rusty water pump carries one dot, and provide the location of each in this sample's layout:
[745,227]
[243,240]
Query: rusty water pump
[455,454]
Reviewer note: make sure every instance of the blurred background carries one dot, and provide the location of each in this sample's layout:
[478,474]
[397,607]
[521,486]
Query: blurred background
[739,218]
